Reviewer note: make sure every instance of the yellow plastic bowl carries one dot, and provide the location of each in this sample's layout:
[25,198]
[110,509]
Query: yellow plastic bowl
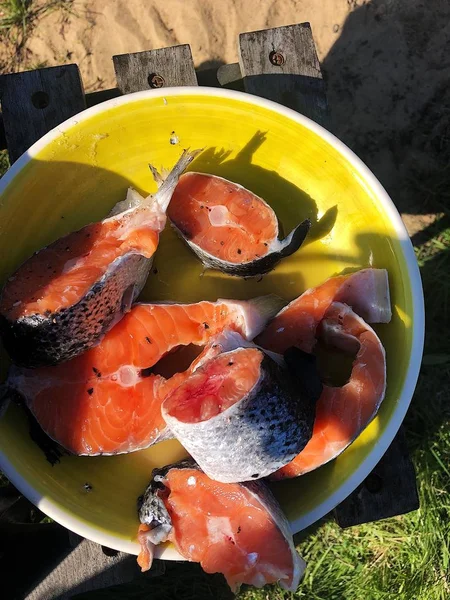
[78,171]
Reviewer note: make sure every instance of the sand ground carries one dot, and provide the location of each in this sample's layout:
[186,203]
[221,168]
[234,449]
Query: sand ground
[386,66]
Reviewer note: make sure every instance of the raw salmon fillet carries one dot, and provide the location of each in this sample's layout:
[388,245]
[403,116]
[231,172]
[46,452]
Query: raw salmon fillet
[367,291]
[343,412]
[65,297]
[108,400]
[240,415]
[237,529]
[229,227]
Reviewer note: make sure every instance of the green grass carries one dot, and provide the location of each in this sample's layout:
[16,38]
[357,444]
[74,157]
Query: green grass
[15,17]
[4,162]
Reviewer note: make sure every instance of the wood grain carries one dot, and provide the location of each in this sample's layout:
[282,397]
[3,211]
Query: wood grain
[86,568]
[297,82]
[141,70]
[389,490]
[33,102]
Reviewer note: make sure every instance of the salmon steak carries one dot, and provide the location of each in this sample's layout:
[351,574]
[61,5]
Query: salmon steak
[237,529]
[64,298]
[228,227]
[367,291]
[240,415]
[108,400]
[343,412]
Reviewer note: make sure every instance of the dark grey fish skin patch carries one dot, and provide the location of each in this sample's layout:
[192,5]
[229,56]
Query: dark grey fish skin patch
[40,340]
[256,436]
[257,267]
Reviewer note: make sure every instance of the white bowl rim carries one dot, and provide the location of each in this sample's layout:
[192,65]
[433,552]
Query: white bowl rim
[95,534]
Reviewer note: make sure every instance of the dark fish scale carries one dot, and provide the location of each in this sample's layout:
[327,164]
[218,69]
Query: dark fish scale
[40,340]
[256,267]
[234,451]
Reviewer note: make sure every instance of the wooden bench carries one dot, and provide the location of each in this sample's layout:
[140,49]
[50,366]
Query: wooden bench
[279,64]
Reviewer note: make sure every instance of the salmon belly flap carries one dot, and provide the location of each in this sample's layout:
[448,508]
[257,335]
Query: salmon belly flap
[342,412]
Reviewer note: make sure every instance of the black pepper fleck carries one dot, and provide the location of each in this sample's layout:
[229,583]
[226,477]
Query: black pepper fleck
[90,391]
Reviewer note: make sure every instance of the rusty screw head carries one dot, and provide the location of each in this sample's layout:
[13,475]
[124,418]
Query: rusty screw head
[276,58]
[156,81]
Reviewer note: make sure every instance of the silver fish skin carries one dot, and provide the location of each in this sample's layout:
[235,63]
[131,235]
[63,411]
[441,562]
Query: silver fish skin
[254,437]
[153,512]
[40,340]
[280,249]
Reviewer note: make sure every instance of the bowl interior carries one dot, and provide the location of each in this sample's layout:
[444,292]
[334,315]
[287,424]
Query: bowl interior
[77,175]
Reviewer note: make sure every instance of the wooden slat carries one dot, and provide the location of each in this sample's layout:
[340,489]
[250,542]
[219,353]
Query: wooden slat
[33,102]
[389,490]
[165,67]
[230,76]
[101,96]
[86,568]
[282,65]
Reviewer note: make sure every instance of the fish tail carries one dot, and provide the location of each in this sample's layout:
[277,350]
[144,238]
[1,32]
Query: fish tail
[167,187]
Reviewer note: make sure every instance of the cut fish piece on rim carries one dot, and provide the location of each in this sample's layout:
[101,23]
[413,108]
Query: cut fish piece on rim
[237,529]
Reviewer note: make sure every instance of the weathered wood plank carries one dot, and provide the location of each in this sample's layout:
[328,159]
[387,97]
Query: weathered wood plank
[389,490]
[281,64]
[165,67]
[101,96]
[33,102]
[230,76]
[86,568]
